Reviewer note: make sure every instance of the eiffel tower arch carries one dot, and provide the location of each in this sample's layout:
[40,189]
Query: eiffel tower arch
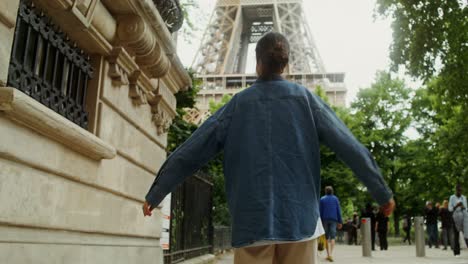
[235,26]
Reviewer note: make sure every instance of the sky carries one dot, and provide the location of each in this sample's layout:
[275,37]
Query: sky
[347,35]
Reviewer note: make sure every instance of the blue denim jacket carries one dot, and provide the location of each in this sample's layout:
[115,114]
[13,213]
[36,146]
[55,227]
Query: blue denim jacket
[270,134]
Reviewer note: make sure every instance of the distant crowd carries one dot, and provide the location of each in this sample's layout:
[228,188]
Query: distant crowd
[446,223]
[451,218]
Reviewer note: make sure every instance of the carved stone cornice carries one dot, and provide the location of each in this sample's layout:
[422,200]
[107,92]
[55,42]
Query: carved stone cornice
[148,12]
[136,34]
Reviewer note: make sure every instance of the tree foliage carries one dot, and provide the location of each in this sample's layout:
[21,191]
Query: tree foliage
[382,116]
[430,39]
[180,129]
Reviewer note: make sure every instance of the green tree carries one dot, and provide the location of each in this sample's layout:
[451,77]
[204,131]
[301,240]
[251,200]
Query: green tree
[443,128]
[383,115]
[215,106]
[180,129]
[430,39]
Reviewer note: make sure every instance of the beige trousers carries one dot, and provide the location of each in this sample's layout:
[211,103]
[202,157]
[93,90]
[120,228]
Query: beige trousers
[286,253]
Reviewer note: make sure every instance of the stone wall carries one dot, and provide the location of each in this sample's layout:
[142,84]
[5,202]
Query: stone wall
[74,196]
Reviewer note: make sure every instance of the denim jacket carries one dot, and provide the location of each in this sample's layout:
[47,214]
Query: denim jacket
[270,134]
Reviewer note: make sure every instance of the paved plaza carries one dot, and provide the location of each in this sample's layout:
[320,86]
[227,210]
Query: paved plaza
[394,255]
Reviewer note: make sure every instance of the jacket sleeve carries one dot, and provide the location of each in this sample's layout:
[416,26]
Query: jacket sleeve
[203,145]
[334,134]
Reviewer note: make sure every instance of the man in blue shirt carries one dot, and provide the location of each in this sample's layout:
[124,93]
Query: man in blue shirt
[330,213]
[270,134]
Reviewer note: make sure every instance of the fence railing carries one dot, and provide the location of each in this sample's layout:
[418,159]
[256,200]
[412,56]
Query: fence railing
[191,229]
[47,66]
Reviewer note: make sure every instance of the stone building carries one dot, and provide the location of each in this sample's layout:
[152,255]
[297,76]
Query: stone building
[86,98]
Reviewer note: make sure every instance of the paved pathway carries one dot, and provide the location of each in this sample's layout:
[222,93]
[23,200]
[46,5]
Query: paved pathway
[395,255]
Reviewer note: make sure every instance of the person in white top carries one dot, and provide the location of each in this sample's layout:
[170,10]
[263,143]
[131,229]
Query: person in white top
[457,205]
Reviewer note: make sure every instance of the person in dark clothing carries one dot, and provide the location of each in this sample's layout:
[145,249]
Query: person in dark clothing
[348,226]
[382,229]
[368,212]
[407,228]
[354,228]
[432,213]
[447,225]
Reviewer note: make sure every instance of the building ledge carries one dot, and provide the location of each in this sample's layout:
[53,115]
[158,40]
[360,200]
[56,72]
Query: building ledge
[23,109]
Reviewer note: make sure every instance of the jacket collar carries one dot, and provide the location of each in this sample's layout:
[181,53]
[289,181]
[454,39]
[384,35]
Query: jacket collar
[274,77]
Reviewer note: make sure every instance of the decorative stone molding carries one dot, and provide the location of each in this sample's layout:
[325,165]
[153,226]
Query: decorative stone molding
[25,110]
[161,118]
[135,91]
[84,10]
[8,11]
[135,33]
[120,66]
[143,90]
[148,12]
[87,22]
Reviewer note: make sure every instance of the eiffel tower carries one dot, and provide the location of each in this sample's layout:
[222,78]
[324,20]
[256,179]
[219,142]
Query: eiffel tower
[228,45]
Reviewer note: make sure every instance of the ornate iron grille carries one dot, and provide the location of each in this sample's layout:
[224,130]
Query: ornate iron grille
[191,233]
[47,67]
[171,12]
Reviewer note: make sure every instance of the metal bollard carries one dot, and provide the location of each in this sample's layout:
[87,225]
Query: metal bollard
[366,237]
[419,236]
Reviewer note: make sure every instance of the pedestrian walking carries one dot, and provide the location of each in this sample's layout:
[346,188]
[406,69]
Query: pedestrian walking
[447,225]
[330,214]
[432,214]
[457,205]
[382,228]
[270,134]
[368,212]
[407,228]
[348,226]
[354,228]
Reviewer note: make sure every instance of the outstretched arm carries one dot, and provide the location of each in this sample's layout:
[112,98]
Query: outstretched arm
[333,133]
[202,146]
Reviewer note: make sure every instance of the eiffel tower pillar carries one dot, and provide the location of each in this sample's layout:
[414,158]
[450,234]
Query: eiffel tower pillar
[234,28]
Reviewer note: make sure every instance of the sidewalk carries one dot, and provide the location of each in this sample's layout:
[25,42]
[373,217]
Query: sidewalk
[394,255]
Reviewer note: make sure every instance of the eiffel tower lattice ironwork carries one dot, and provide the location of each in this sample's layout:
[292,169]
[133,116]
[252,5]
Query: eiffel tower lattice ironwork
[234,28]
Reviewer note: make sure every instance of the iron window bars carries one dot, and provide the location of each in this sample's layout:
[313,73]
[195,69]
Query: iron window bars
[47,66]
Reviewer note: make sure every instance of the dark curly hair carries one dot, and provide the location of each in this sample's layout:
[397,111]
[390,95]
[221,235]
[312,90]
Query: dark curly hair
[273,52]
